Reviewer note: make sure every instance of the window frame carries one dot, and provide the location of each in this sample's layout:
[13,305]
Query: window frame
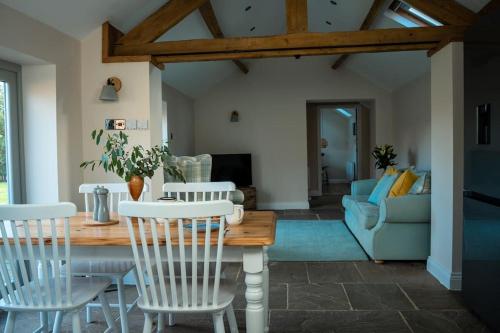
[17,192]
[398,12]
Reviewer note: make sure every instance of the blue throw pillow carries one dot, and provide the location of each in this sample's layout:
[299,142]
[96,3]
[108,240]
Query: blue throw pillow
[382,189]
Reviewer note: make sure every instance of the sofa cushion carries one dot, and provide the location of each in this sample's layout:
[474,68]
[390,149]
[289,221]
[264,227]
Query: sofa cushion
[349,200]
[423,184]
[366,214]
[382,189]
[403,184]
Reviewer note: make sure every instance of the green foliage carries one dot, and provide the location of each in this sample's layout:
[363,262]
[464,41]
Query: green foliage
[384,156]
[134,162]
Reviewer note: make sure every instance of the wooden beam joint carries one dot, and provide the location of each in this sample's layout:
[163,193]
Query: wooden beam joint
[208,14]
[367,23]
[160,21]
[296,16]
[110,35]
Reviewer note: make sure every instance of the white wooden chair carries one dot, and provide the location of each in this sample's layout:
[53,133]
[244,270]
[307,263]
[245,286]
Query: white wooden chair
[117,192]
[200,191]
[117,270]
[57,292]
[163,291]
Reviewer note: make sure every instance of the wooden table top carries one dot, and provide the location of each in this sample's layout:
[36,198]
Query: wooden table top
[257,229]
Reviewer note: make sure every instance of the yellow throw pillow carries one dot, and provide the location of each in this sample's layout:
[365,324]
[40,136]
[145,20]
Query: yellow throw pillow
[391,171]
[403,185]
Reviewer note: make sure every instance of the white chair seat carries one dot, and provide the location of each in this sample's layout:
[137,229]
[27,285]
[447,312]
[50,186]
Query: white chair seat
[227,290]
[102,268]
[83,290]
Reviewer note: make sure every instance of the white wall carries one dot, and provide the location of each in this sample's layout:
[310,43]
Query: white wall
[271,100]
[40,132]
[412,123]
[341,149]
[139,98]
[447,112]
[22,34]
[180,120]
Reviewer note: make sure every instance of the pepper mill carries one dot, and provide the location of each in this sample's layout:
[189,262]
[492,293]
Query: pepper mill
[95,215]
[103,215]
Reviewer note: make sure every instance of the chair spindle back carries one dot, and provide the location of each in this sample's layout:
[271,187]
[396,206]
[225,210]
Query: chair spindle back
[177,226]
[193,192]
[31,236]
[117,192]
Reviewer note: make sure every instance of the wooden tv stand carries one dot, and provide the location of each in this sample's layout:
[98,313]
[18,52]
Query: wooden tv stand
[250,193]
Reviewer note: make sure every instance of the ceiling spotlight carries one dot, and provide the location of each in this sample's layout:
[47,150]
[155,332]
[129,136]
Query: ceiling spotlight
[333,2]
[247,8]
[252,28]
[328,22]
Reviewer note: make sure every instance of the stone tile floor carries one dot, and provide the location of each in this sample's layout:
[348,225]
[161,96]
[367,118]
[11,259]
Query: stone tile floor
[327,297]
[330,297]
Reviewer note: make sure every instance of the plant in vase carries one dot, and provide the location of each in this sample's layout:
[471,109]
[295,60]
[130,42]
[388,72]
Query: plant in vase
[132,164]
[384,156]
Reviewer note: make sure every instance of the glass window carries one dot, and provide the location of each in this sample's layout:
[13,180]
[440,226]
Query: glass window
[10,147]
[409,16]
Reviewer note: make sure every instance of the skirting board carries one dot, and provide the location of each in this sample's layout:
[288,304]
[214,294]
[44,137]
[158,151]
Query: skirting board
[451,280]
[282,205]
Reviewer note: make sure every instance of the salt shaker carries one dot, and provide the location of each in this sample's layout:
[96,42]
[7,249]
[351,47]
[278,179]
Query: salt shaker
[103,215]
[96,204]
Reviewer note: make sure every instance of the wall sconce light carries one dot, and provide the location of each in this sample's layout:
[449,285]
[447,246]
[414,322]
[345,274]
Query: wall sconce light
[109,91]
[235,117]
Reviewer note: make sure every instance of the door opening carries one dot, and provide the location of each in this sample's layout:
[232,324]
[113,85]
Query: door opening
[338,149]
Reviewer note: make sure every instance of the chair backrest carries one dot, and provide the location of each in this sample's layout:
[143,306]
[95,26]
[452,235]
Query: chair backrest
[176,225]
[200,191]
[117,192]
[29,235]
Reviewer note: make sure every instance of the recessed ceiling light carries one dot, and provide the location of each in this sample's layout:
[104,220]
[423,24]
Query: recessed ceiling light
[333,2]
[328,22]
[247,8]
[252,28]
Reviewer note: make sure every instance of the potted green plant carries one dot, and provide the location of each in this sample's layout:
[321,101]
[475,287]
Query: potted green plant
[384,156]
[133,164]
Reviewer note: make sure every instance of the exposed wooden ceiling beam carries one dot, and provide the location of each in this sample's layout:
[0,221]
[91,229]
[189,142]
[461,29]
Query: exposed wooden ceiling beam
[491,6]
[443,43]
[208,14]
[160,21]
[294,42]
[110,35]
[367,23]
[291,53]
[296,16]
[445,11]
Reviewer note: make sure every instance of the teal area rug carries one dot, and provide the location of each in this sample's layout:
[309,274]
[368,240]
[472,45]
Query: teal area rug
[298,240]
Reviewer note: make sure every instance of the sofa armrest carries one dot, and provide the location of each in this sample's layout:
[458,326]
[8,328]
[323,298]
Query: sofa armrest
[406,209]
[363,187]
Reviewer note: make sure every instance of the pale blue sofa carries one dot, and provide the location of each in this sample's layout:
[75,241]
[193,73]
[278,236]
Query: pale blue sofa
[398,229]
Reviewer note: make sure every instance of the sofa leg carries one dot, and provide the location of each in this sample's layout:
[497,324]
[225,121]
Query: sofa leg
[380,262]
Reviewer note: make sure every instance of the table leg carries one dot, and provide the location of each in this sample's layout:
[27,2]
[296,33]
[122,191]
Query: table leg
[265,275]
[253,265]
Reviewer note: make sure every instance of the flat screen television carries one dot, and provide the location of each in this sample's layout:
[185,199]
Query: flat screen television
[236,168]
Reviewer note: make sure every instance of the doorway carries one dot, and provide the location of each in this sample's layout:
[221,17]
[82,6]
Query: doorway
[338,150]
[10,140]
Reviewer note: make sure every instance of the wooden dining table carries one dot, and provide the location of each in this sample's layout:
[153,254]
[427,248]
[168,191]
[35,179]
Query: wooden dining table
[246,242]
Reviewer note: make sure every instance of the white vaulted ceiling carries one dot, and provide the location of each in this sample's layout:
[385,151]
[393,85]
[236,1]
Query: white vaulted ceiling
[78,18]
